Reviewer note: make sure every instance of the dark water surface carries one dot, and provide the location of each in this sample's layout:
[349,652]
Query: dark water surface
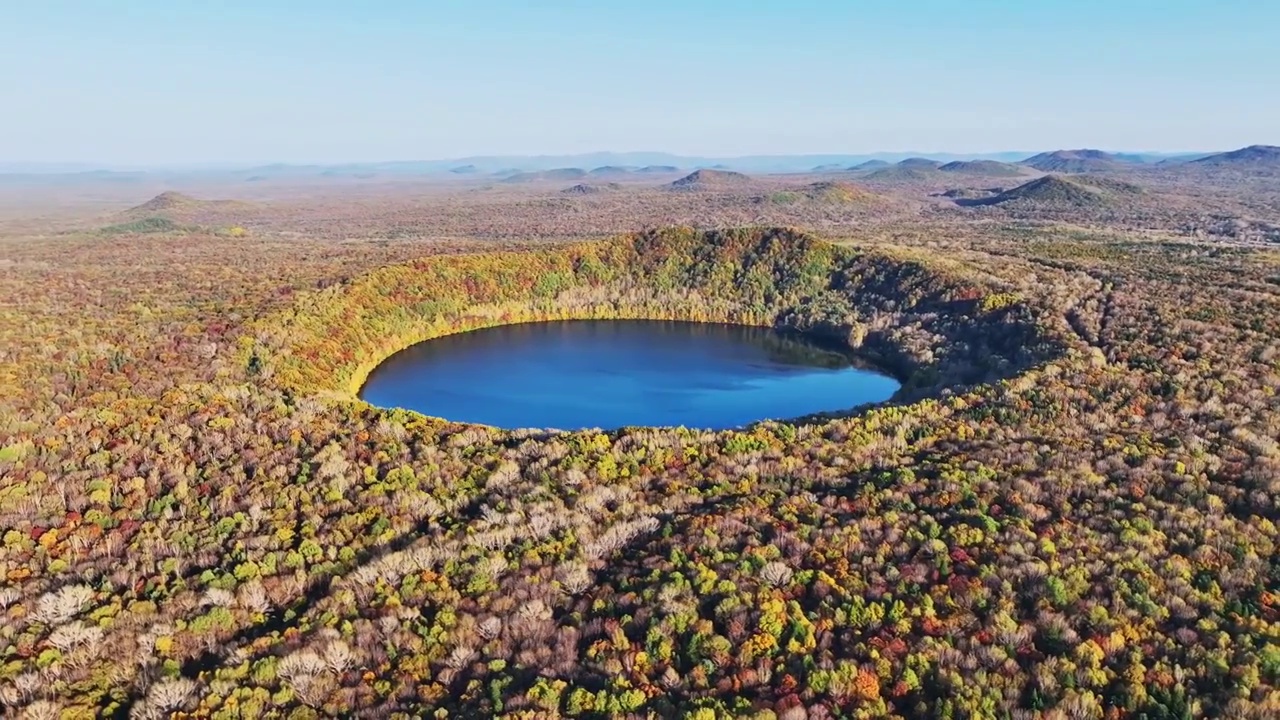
[611,373]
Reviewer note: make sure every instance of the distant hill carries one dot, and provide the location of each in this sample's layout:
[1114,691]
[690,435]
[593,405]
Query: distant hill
[1158,158]
[830,167]
[1057,192]
[659,169]
[1054,190]
[870,165]
[155,214]
[465,170]
[610,171]
[1254,156]
[1073,161]
[563,174]
[840,193]
[911,170]
[711,180]
[1137,158]
[908,174]
[919,163]
[557,175]
[585,189]
[165,202]
[986,168]
[1180,159]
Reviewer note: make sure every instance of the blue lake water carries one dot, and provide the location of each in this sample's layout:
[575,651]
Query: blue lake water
[611,373]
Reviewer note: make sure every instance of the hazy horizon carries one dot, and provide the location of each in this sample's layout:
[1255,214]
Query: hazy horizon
[156,84]
[599,156]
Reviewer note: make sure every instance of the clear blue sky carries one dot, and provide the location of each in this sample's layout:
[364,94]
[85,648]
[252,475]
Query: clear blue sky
[177,81]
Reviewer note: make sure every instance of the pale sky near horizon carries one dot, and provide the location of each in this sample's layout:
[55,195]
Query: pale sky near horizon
[167,82]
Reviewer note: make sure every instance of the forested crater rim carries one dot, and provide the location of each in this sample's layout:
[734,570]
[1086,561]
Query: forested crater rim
[931,327]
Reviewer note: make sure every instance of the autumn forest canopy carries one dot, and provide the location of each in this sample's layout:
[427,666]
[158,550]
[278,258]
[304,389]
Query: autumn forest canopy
[1067,511]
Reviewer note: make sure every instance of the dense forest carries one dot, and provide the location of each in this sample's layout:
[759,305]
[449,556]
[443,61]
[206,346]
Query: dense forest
[1069,511]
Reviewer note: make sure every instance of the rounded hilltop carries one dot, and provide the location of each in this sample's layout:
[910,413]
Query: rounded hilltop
[1074,161]
[710,179]
[1265,156]
[590,189]
[985,168]
[1075,191]
[839,192]
[168,201]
